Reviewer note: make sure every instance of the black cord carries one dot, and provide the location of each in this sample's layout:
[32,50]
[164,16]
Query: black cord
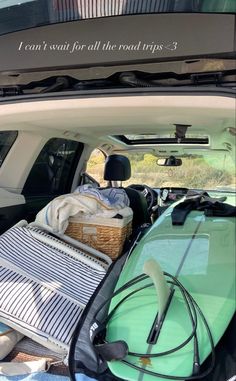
[184,343]
[129,284]
[182,378]
[123,299]
[196,355]
[192,308]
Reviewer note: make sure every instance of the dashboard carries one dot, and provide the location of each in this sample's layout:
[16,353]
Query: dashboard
[160,197]
[168,195]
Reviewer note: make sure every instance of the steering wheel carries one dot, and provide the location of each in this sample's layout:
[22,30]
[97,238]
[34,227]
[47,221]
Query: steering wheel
[148,193]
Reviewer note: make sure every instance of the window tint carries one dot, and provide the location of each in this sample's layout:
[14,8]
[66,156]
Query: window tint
[7,138]
[53,170]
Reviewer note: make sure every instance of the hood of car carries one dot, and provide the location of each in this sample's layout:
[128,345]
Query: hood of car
[141,50]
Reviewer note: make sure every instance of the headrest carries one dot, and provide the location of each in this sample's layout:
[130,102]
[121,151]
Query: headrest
[117,168]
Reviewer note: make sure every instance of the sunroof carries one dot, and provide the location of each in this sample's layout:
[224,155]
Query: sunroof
[149,136]
[163,139]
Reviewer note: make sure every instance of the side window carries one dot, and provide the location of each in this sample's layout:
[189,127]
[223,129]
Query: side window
[53,170]
[7,139]
[95,167]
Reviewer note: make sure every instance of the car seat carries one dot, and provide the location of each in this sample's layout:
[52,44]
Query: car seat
[118,168]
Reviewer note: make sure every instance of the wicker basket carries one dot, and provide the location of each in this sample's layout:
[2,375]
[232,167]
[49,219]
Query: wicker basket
[104,234]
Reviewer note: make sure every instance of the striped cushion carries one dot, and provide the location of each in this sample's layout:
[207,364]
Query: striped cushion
[43,290]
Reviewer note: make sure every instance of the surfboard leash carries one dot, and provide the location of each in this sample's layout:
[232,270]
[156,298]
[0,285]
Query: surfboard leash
[119,350]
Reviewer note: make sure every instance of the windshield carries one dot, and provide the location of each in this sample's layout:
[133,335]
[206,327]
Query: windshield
[17,15]
[213,171]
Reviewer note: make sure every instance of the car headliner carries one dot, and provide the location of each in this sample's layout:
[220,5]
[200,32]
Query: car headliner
[95,120]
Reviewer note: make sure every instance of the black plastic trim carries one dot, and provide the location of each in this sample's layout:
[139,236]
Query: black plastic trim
[10,215]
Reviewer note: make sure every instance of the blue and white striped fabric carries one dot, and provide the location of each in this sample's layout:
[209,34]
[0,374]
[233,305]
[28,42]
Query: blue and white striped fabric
[44,290]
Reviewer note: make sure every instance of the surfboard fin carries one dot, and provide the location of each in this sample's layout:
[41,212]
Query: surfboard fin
[154,271]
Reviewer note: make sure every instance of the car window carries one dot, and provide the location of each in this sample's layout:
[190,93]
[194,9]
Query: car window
[95,167]
[211,171]
[15,15]
[7,138]
[54,168]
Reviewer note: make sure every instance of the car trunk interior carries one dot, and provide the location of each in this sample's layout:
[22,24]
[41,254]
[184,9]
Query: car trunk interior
[97,121]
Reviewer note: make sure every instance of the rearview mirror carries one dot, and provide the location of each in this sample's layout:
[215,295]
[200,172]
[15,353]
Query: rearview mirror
[169,162]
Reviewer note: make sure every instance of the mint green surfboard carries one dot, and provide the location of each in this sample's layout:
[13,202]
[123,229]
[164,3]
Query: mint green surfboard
[201,253]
